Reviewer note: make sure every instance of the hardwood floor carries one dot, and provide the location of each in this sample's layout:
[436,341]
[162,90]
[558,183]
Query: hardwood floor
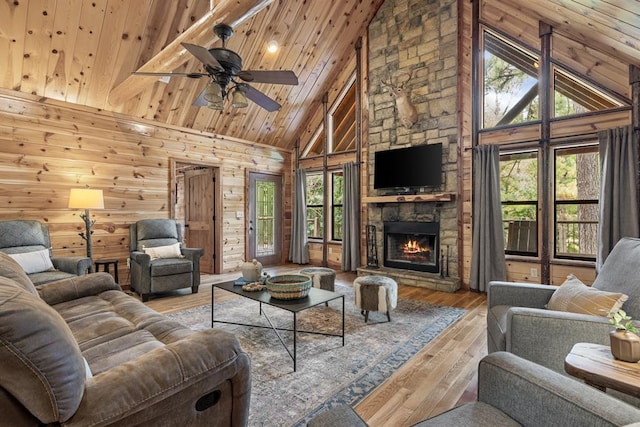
[442,375]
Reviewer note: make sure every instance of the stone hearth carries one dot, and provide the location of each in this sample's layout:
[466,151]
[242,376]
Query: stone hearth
[414,278]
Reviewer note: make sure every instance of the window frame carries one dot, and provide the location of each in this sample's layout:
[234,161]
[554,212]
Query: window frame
[555,149]
[315,206]
[334,206]
[535,154]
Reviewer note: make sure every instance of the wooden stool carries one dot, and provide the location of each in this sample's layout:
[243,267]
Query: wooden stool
[106,263]
[375,293]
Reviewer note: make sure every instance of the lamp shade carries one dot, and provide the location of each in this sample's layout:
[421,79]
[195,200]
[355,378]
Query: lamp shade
[239,99]
[86,198]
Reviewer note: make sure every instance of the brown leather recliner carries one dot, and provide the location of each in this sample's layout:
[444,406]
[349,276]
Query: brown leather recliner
[80,351]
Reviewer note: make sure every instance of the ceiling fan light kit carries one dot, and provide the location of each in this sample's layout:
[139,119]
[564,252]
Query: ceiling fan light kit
[239,99]
[223,66]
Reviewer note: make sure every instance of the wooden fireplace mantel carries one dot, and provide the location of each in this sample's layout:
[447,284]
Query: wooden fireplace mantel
[411,198]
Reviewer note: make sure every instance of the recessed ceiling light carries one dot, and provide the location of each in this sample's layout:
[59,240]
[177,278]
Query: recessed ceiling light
[272,46]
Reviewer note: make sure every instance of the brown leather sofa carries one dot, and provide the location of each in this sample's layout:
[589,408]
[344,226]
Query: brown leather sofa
[143,369]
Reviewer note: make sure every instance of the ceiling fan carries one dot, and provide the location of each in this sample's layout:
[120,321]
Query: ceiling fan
[224,67]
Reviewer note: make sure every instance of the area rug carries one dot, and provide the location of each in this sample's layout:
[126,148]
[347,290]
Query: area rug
[328,374]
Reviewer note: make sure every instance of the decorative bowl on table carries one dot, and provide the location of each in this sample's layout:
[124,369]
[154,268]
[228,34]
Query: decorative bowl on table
[289,286]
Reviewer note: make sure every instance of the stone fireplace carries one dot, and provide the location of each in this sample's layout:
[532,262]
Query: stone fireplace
[412,246]
[425,47]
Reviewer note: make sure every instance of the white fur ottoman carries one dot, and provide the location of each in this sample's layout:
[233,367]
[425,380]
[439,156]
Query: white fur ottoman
[375,293]
[321,277]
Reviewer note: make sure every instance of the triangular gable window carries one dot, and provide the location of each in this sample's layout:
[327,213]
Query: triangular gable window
[341,126]
[573,95]
[316,146]
[344,123]
[510,83]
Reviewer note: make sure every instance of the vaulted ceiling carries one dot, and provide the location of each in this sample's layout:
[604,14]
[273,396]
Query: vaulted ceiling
[84,52]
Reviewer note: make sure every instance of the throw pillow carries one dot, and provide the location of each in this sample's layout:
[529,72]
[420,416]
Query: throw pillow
[576,297]
[34,262]
[10,269]
[169,251]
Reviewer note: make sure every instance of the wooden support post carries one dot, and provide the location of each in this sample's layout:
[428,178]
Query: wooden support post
[544,199]
[325,178]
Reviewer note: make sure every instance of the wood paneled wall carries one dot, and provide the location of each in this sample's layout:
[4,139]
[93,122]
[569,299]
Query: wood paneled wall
[48,147]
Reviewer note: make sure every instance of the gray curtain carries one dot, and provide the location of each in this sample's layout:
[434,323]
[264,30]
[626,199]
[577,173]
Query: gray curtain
[299,249]
[350,210]
[487,257]
[618,189]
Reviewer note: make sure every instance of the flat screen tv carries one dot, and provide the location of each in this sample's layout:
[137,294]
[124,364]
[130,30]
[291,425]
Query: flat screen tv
[411,167]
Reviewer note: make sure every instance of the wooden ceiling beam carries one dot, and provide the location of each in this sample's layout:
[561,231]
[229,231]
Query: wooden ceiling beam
[231,12]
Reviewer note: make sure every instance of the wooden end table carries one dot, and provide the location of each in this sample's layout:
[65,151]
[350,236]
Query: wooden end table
[105,263]
[595,364]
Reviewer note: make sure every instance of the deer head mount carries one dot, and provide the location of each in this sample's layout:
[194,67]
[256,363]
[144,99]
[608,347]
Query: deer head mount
[407,113]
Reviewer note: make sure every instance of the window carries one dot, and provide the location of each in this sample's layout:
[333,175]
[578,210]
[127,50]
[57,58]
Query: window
[510,83]
[337,191]
[315,206]
[341,126]
[576,191]
[265,218]
[343,123]
[574,96]
[519,195]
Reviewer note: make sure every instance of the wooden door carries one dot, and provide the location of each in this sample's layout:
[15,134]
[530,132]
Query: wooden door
[265,220]
[199,188]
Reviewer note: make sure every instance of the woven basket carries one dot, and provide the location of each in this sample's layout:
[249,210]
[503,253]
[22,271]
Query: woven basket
[289,286]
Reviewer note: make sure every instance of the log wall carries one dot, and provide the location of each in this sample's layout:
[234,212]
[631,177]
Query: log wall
[48,147]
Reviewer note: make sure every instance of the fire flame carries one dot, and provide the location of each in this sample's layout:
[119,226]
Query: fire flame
[412,247]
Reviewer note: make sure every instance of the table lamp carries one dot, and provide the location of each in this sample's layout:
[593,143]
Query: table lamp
[86,198]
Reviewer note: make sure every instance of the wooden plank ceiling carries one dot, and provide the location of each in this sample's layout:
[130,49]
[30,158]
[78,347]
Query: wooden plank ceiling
[85,51]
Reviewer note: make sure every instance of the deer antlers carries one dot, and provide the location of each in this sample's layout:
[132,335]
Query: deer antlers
[407,113]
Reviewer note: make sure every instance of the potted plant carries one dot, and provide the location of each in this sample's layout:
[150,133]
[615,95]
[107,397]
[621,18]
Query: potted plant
[625,343]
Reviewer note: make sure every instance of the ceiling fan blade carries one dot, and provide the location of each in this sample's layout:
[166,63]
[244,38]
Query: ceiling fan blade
[285,77]
[260,98]
[203,55]
[190,75]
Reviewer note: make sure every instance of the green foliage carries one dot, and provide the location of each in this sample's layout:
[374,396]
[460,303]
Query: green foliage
[621,321]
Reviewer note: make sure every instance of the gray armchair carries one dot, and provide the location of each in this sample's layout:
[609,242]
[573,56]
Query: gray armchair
[518,322]
[516,392]
[28,237]
[149,276]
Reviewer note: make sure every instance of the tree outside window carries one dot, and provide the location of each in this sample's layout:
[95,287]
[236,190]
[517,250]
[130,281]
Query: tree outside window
[577,186]
[519,195]
[337,191]
[315,206]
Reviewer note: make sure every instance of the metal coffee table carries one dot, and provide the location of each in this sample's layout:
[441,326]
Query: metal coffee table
[315,297]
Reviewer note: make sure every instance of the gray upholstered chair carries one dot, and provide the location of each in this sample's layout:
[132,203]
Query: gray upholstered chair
[158,262]
[516,392]
[29,242]
[518,322]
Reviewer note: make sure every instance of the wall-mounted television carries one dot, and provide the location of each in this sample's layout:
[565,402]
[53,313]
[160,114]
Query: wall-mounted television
[411,167]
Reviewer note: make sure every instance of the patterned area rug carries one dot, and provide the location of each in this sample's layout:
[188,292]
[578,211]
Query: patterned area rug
[327,373]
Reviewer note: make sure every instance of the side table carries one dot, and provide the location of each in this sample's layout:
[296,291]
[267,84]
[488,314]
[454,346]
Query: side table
[105,263]
[595,364]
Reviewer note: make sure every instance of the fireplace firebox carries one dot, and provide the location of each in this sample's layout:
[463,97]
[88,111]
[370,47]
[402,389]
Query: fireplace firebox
[412,246]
